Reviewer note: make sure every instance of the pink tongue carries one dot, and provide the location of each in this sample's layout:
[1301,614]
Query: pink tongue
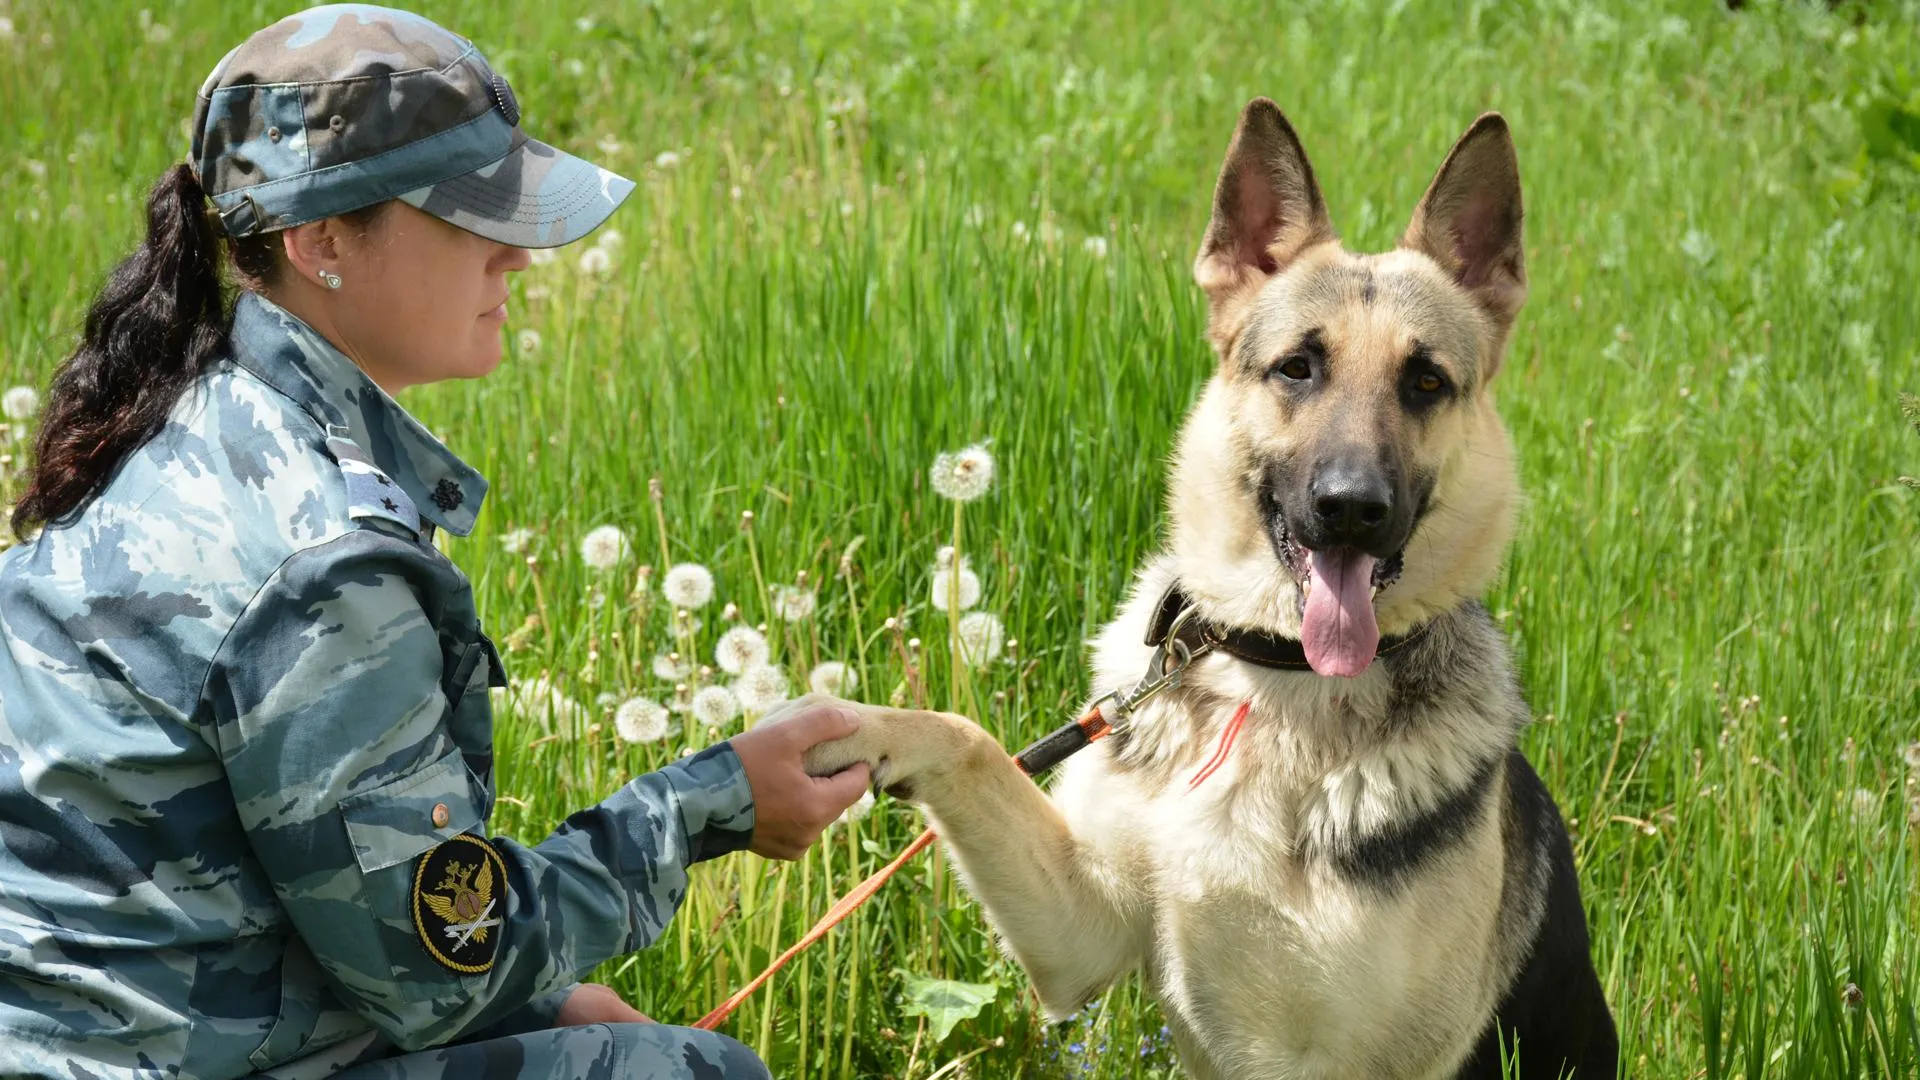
[1338,630]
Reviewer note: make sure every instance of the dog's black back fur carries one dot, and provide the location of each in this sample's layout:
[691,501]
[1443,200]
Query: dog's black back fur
[1555,1008]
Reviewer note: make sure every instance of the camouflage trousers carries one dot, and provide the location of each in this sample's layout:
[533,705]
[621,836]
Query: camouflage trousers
[588,1052]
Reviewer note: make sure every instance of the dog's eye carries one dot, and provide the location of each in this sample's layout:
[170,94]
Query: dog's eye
[1429,383]
[1295,368]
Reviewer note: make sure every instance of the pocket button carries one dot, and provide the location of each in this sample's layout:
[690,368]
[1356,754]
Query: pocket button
[441,815]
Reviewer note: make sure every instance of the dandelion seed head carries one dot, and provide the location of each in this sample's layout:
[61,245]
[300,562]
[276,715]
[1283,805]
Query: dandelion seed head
[715,706]
[761,687]
[528,341]
[943,591]
[669,667]
[741,648]
[1866,806]
[641,720]
[539,700]
[20,403]
[982,638]
[688,585]
[793,603]
[833,679]
[666,159]
[605,547]
[515,541]
[596,261]
[963,475]
[1911,755]
[1096,246]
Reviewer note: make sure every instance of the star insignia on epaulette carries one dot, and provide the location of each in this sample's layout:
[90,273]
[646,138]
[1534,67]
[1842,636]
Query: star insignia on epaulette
[392,507]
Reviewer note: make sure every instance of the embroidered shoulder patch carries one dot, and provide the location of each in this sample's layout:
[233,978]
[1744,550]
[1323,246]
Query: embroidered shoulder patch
[459,902]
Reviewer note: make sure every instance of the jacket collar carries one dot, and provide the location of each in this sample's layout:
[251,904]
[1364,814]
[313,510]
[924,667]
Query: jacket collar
[293,358]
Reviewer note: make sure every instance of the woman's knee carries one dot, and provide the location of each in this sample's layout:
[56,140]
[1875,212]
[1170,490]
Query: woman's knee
[666,1051]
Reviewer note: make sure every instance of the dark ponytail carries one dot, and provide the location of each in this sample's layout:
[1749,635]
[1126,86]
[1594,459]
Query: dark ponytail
[158,320]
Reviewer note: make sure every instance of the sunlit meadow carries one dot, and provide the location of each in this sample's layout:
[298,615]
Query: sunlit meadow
[868,234]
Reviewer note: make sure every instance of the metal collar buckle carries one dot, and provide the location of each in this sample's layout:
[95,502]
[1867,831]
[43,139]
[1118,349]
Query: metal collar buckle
[1171,659]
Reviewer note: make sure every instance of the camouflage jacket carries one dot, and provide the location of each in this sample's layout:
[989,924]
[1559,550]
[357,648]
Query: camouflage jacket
[246,755]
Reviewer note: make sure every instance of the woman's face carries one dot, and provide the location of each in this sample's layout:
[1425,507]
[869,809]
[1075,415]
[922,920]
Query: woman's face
[419,300]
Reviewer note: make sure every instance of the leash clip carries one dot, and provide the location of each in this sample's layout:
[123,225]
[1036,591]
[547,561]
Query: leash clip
[1171,659]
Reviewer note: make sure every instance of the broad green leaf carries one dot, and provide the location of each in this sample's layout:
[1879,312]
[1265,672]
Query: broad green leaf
[944,1003]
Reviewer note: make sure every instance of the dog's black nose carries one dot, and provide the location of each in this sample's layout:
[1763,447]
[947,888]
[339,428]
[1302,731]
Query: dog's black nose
[1353,503]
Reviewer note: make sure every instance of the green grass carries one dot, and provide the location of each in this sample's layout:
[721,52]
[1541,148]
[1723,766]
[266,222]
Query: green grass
[1713,592]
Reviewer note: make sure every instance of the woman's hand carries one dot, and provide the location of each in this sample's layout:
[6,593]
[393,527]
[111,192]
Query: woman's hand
[790,808]
[592,1003]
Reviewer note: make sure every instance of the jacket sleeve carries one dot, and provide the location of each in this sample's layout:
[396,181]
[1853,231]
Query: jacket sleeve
[330,707]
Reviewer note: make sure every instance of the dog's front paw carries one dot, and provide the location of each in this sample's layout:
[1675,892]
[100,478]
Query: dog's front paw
[912,753]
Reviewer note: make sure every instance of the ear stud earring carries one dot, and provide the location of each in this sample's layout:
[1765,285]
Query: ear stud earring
[331,279]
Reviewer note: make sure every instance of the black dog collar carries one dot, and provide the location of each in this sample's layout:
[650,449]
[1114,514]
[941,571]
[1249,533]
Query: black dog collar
[1256,647]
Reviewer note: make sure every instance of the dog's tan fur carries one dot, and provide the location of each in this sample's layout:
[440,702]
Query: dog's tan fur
[1265,961]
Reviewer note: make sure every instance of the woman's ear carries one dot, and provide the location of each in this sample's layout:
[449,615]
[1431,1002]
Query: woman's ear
[313,248]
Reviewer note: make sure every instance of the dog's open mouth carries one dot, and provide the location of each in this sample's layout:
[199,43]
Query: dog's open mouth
[1338,630]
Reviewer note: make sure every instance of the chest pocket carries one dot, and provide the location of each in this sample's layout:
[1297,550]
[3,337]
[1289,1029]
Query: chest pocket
[472,668]
[390,828]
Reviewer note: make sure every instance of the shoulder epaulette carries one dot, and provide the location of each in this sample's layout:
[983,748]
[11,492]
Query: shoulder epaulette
[371,493]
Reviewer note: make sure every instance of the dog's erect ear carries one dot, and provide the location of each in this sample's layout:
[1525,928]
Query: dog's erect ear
[1267,208]
[1469,220]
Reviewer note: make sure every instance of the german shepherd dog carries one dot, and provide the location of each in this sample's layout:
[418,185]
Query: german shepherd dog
[1372,881]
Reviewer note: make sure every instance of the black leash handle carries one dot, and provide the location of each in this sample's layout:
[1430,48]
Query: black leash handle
[1057,746]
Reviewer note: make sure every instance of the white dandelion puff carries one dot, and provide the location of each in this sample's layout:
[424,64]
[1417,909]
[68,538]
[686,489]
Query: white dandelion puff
[605,547]
[741,648]
[965,475]
[981,638]
[794,603]
[610,239]
[833,679]
[6,28]
[715,706]
[943,558]
[1866,806]
[574,66]
[537,699]
[528,341]
[1095,246]
[943,580]
[761,687]
[857,809]
[516,541]
[666,159]
[596,261]
[609,145]
[670,667]
[1911,755]
[543,256]
[641,720]
[688,585]
[20,402]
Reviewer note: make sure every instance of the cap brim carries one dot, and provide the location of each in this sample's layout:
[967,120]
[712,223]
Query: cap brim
[535,197]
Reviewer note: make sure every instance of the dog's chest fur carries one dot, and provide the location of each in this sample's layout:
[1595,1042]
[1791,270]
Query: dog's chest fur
[1328,903]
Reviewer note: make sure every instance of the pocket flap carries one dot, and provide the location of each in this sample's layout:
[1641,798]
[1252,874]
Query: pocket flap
[404,817]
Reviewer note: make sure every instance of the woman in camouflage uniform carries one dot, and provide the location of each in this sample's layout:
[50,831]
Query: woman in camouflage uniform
[245,745]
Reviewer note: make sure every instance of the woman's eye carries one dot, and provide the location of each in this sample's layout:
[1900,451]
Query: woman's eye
[1295,368]
[1429,383]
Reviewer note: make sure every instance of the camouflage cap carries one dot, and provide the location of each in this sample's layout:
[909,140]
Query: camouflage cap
[347,105]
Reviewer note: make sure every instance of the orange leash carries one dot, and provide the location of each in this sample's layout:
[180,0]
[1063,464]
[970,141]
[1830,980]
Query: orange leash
[1037,758]
[1171,658]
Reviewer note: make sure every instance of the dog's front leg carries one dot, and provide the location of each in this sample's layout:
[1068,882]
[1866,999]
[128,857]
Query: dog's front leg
[1059,912]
